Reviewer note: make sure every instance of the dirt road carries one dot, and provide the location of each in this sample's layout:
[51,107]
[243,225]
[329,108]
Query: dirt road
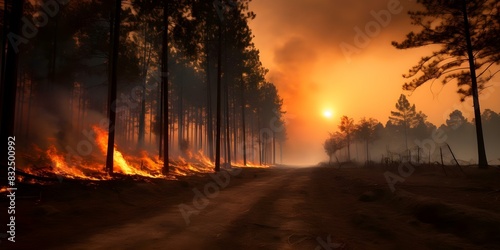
[277,208]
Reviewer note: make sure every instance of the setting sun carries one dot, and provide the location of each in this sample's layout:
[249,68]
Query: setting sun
[327,114]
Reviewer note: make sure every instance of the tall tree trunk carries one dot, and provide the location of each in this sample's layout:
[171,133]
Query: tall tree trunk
[228,130]
[113,87]
[160,114]
[142,114]
[253,137]
[242,96]
[209,118]
[151,102]
[481,151]
[209,114]
[9,83]
[164,84]
[274,148]
[219,76]
[142,118]
[180,116]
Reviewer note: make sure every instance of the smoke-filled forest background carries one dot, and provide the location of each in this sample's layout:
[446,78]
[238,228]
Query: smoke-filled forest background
[203,51]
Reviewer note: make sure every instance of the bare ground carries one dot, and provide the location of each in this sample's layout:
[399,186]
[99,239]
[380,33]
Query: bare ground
[277,208]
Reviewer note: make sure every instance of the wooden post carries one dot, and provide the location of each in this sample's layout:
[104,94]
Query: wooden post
[442,163]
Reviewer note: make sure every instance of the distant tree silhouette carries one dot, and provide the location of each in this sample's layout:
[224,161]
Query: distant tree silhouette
[405,116]
[366,130]
[491,123]
[332,144]
[456,119]
[347,127]
[421,128]
[467,32]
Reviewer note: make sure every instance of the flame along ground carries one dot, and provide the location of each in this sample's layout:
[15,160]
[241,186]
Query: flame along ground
[54,162]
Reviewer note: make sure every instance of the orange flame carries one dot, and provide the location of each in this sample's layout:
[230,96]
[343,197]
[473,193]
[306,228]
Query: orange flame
[61,167]
[93,168]
[121,165]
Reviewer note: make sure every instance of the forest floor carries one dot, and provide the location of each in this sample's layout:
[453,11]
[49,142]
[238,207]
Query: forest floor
[280,207]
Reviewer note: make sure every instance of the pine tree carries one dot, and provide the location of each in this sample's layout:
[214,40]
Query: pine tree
[404,116]
[467,32]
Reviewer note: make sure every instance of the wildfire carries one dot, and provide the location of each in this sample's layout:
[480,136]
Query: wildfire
[250,165]
[54,162]
[61,167]
[144,166]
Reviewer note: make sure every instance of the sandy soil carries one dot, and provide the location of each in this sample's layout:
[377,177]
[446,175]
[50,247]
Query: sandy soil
[277,208]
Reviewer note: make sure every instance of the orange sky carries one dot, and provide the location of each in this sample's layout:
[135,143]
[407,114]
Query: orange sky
[300,43]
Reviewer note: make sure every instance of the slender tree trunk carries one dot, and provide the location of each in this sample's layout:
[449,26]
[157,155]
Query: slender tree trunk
[180,117]
[481,151]
[260,142]
[209,118]
[113,87]
[142,114]
[274,148]
[151,121]
[228,130]
[235,128]
[160,113]
[252,136]
[164,84]
[243,121]
[142,118]
[219,76]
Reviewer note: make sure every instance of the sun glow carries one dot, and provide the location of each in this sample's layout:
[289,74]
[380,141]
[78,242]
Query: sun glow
[328,114]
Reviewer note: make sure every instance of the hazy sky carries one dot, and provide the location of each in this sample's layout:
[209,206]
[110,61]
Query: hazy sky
[301,44]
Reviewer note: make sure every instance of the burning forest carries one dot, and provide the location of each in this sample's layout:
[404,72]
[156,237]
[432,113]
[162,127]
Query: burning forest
[88,105]
[189,124]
